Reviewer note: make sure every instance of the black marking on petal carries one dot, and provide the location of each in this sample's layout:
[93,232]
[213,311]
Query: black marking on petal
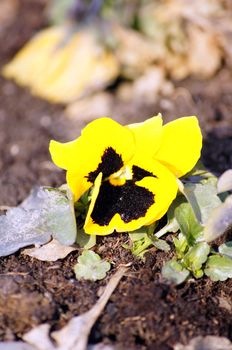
[111,162]
[130,201]
[139,173]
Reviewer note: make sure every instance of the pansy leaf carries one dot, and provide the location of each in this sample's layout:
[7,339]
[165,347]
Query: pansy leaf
[57,212]
[161,244]
[202,198]
[226,249]
[85,241]
[174,272]
[138,234]
[91,267]
[140,246]
[143,238]
[219,221]
[196,256]
[172,224]
[219,268]
[188,223]
[46,212]
[181,244]
[225,182]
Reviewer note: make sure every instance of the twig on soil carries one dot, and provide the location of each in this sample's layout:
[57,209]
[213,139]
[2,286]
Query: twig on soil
[14,274]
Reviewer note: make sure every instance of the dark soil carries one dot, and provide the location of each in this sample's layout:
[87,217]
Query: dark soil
[144,312]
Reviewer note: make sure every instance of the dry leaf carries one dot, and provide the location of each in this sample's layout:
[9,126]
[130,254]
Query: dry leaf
[91,107]
[51,251]
[39,338]
[147,87]
[225,182]
[101,346]
[191,34]
[204,52]
[206,343]
[219,221]
[16,346]
[134,51]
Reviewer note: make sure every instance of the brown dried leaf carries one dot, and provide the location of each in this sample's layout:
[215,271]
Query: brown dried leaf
[134,51]
[90,107]
[204,52]
[51,251]
[147,87]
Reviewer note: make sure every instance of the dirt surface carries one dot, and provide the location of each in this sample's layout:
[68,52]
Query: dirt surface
[144,312]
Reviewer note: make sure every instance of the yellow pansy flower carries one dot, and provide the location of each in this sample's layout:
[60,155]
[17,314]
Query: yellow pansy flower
[131,170]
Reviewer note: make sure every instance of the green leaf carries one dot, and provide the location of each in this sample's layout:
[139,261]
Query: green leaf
[82,206]
[188,223]
[57,210]
[46,213]
[181,245]
[138,234]
[85,241]
[172,224]
[91,267]
[196,256]
[226,249]
[161,244]
[174,272]
[219,268]
[141,245]
[142,241]
[198,273]
[203,199]
[219,221]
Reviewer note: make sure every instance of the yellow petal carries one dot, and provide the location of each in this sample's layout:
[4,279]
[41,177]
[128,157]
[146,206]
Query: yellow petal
[95,192]
[63,153]
[181,145]
[78,67]
[148,136]
[33,59]
[82,158]
[163,187]
[60,65]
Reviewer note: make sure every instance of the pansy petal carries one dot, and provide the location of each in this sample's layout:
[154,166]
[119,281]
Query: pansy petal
[181,145]
[63,153]
[77,184]
[148,136]
[162,183]
[137,204]
[104,146]
[95,192]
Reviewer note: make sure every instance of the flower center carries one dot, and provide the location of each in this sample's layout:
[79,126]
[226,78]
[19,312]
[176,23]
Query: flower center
[120,177]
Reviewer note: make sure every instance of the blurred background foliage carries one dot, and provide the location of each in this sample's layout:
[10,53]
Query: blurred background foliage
[138,48]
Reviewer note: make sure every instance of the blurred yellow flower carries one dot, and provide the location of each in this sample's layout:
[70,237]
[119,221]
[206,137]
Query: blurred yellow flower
[132,169]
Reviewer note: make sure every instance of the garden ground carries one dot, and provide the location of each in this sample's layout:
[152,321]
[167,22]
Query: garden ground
[143,312]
